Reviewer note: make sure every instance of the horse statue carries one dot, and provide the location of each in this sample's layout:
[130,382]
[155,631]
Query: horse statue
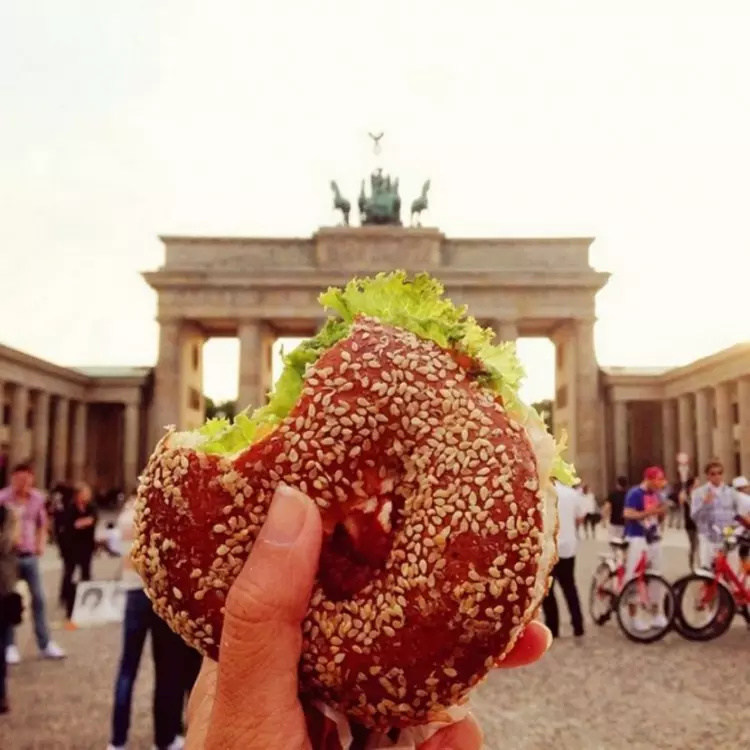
[419,204]
[340,203]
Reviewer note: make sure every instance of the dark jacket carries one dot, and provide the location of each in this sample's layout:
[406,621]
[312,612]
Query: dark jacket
[8,563]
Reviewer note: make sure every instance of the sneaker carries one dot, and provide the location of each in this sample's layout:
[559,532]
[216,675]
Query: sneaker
[176,744]
[11,655]
[115,747]
[640,625]
[53,651]
[660,621]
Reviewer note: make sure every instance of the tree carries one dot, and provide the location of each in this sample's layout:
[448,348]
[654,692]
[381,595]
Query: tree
[546,409]
[220,409]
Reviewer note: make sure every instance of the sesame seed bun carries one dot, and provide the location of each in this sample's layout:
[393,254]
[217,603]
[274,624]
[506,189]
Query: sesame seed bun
[439,525]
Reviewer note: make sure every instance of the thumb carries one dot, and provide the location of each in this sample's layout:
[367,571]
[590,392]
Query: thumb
[262,638]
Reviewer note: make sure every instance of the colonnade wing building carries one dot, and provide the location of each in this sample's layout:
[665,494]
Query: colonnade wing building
[98,424]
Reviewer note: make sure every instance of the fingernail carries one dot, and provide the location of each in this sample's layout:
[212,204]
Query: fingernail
[286,516]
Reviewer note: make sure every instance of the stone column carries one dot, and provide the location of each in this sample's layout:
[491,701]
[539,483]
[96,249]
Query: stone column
[620,419]
[60,441]
[743,404]
[686,433]
[669,437]
[588,458]
[703,428]
[252,365]
[505,330]
[130,466]
[565,386]
[724,447]
[41,437]
[19,408]
[168,386]
[78,449]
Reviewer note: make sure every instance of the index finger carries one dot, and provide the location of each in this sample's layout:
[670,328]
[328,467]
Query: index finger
[530,646]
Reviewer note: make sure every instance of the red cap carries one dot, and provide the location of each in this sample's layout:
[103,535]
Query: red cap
[654,473]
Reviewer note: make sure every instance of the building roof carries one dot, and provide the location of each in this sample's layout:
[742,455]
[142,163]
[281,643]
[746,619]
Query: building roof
[95,371]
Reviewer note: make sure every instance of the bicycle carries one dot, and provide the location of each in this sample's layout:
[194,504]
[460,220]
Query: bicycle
[641,596]
[607,581]
[706,601]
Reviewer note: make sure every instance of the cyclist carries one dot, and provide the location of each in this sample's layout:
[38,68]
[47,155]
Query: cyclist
[644,505]
[714,506]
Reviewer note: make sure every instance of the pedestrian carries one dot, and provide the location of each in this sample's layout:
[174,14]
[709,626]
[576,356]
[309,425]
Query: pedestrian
[713,506]
[9,528]
[27,503]
[167,649]
[592,511]
[683,491]
[644,506]
[613,508]
[80,525]
[571,512]
[742,487]
[60,499]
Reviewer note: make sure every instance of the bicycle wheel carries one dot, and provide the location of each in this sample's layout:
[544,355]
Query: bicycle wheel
[703,608]
[645,608]
[602,593]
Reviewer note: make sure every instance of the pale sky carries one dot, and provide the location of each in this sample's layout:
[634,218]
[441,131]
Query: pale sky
[122,121]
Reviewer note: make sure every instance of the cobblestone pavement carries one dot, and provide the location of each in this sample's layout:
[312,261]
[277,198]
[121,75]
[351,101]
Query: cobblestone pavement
[597,692]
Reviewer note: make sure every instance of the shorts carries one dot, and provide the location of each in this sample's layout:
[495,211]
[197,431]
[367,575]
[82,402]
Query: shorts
[707,551]
[638,545]
[616,531]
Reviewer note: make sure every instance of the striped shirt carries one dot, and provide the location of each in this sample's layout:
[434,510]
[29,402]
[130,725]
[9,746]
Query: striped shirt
[712,518]
[31,514]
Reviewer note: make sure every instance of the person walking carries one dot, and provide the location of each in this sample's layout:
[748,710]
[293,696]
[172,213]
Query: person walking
[713,506]
[167,649]
[644,506]
[571,512]
[592,511]
[80,525]
[27,504]
[683,493]
[614,507]
[8,574]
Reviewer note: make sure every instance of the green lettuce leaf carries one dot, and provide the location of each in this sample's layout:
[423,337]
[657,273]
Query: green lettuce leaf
[416,304]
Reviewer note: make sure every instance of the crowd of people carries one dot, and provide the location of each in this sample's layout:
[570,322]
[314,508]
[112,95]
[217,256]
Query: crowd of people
[638,515]
[24,532]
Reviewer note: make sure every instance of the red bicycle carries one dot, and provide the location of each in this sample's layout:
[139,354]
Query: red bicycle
[644,605]
[707,601]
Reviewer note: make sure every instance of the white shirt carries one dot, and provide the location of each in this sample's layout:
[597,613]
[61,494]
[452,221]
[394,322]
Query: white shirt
[743,503]
[126,526]
[589,502]
[570,508]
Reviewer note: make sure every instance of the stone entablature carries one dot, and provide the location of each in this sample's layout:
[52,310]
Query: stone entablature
[702,409]
[50,415]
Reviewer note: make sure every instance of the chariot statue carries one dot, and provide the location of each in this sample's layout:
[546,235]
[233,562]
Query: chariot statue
[382,206]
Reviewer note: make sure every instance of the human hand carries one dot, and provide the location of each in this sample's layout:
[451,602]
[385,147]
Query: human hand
[249,699]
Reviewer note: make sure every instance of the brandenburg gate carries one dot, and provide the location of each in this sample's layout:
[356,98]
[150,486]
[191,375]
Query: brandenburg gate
[258,289]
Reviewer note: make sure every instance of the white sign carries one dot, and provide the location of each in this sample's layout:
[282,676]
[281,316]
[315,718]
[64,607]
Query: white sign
[98,603]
